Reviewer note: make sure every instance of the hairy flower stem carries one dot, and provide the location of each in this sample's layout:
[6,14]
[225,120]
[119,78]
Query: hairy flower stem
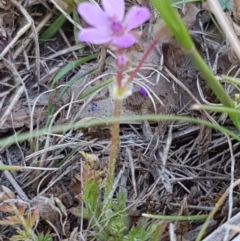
[114,150]
[115,126]
[119,80]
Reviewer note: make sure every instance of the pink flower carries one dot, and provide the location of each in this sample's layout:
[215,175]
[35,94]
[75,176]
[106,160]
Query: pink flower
[108,25]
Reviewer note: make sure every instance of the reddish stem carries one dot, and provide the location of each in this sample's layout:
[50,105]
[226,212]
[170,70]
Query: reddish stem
[119,79]
[146,54]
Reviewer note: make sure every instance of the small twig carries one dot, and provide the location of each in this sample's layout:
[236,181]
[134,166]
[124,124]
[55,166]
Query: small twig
[16,96]
[13,102]
[171,232]
[132,171]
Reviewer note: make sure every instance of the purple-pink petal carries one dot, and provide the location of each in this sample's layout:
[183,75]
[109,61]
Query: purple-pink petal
[124,41]
[94,36]
[121,60]
[114,8]
[136,16]
[93,15]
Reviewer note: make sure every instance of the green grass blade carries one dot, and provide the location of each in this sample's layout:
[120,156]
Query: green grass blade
[71,82]
[107,121]
[10,168]
[70,66]
[219,109]
[71,154]
[177,218]
[94,88]
[52,29]
[51,108]
[177,2]
[231,80]
[75,29]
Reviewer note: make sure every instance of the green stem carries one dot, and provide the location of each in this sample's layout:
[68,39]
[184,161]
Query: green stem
[177,218]
[107,121]
[10,168]
[114,149]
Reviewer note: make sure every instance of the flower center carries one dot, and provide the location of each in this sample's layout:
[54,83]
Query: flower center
[116,27]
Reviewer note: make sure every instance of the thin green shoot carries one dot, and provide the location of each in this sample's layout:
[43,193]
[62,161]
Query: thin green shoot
[52,29]
[230,80]
[109,120]
[177,3]
[94,88]
[218,109]
[176,218]
[70,66]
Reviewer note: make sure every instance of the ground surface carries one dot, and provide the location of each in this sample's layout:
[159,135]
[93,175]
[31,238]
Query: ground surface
[184,176]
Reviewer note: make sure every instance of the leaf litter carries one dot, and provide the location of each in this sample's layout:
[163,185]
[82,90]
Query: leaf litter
[165,168]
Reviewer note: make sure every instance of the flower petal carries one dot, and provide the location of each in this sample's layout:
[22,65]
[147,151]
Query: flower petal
[114,8]
[93,15]
[136,16]
[124,41]
[122,60]
[94,36]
